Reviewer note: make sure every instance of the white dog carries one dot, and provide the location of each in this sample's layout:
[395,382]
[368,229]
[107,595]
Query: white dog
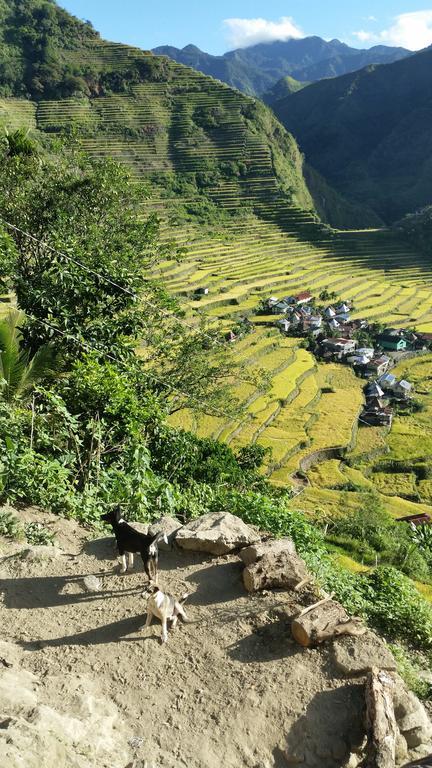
[166,608]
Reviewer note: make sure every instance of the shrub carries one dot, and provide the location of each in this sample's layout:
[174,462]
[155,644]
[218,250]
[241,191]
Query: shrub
[10,525]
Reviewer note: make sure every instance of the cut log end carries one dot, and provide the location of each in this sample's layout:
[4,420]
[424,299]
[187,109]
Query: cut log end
[323,621]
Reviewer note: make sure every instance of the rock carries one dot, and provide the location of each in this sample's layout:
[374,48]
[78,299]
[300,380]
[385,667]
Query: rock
[92,584]
[414,738]
[417,719]
[217,533]
[339,748]
[281,570]
[140,527]
[356,655]
[272,547]
[401,749]
[167,525]
[353,761]
[405,701]
[41,552]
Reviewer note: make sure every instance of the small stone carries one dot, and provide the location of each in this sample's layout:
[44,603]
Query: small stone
[92,584]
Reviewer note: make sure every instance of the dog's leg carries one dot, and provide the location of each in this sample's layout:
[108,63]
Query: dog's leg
[180,610]
[148,619]
[164,630]
[130,560]
[123,566]
[148,563]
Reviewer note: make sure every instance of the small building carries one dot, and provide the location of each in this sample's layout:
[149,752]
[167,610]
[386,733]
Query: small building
[343,309]
[424,340]
[280,308]
[367,352]
[272,301]
[402,388]
[304,297]
[329,313]
[333,324]
[373,390]
[421,518]
[338,348]
[315,321]
[202,291]
[387,381]
[283,324]
[230,336]
[392,342]
[358,361]
[377,417]
[378,365]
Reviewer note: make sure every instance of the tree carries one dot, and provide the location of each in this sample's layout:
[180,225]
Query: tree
[20,372]
[84,278]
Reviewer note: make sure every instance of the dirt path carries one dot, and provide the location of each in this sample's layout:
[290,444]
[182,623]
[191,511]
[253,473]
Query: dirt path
[224,691]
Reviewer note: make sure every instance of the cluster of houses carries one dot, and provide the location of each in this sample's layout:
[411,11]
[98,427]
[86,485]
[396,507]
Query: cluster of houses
[335,333]
[380,395]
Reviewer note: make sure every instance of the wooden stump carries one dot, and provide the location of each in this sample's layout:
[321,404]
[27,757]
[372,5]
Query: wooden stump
[323,621]
[381,724]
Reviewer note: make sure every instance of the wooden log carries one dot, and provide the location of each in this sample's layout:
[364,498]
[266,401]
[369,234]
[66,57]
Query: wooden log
[323,621]
[282,570]
[381,724]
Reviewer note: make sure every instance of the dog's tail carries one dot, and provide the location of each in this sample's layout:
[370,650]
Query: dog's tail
[153,549]
[184,597]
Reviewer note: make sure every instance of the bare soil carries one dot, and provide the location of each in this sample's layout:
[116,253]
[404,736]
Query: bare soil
[226,689]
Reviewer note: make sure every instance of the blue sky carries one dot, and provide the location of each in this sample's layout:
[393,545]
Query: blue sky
[220,26]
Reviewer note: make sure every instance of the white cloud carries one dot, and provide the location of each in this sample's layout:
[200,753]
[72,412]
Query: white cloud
[244,32]
[409,30]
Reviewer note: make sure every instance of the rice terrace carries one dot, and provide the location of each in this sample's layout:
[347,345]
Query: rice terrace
[320,298]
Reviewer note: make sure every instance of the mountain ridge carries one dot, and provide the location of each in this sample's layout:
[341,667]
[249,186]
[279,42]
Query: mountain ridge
[258,68]
[368,133]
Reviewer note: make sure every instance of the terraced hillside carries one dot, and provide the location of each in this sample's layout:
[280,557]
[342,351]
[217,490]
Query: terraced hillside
[226,181]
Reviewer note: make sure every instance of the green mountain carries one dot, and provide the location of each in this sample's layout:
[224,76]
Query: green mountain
[283,88]
[255,70]
[369,133]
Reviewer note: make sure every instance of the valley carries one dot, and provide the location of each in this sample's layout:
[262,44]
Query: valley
[226,184]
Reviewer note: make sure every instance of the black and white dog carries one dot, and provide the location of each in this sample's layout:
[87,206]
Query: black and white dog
[130,541]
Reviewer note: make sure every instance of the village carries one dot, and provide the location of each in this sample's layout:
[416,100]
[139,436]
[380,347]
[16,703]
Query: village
[372,350]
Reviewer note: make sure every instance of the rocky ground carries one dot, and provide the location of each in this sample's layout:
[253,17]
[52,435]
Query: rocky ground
[82,684]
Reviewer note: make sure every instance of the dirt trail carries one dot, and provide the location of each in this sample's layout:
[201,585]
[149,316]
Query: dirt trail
[225,690]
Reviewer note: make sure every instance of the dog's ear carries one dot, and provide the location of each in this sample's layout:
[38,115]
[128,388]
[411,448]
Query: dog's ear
[117,512]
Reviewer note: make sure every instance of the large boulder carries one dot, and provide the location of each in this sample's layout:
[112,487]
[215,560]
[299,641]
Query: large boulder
[217,533]
[167,525]
[356,655]
[271,547]
[282,570]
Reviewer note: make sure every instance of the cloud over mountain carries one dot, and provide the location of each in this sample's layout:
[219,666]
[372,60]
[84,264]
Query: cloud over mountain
[244,32]
[409,30]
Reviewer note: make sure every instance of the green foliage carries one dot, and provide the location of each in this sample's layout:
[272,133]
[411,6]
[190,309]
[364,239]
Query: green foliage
[410,671]
[19,371]
[395,606]
[36,534]
[10,525]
